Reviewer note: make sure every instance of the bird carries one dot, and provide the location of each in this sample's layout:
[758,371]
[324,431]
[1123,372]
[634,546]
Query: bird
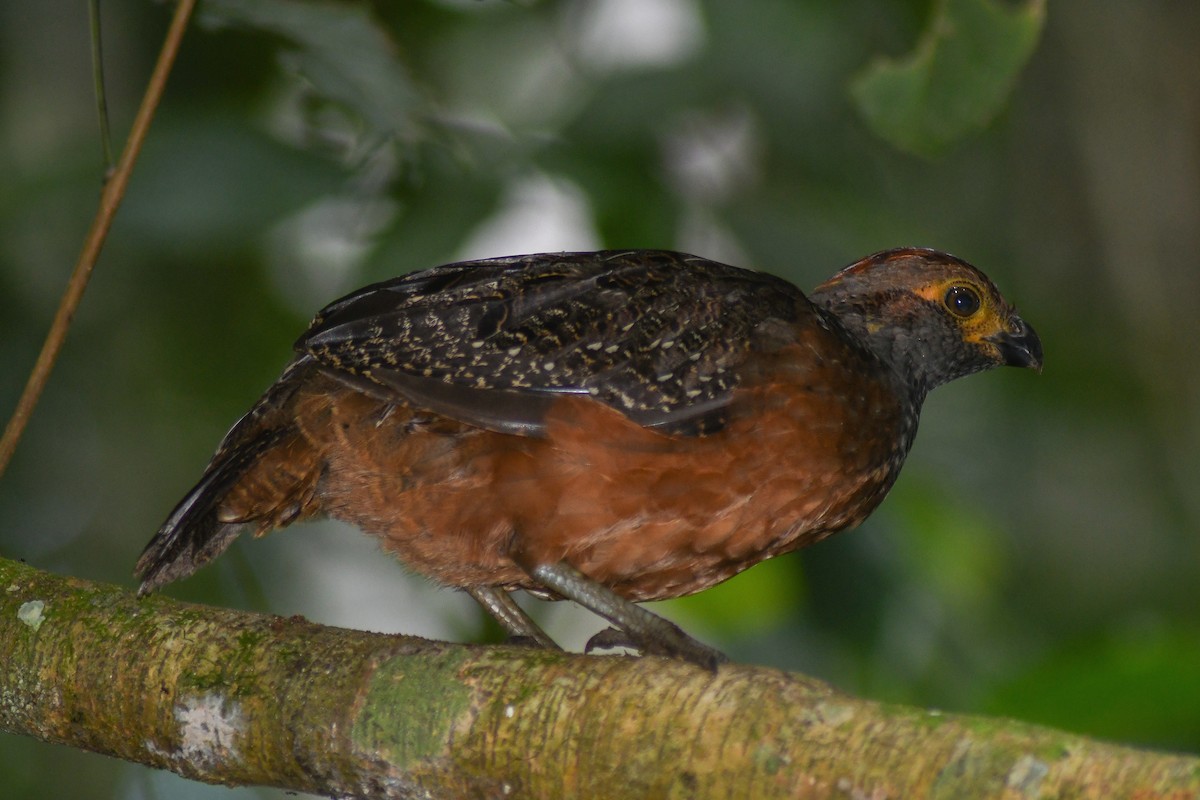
[607,427]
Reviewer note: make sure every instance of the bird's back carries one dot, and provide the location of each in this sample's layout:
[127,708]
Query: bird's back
[657,335]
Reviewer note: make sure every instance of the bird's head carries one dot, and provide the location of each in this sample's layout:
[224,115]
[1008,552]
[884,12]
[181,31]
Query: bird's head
[932,316]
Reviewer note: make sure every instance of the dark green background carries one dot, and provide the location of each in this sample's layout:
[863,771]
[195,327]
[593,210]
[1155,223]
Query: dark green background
[1040,555]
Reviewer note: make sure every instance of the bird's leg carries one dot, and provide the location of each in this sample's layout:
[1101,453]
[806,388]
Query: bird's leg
[500,604]
[638,627]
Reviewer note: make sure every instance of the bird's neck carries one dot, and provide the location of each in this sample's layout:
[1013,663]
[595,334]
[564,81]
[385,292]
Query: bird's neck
[908,354]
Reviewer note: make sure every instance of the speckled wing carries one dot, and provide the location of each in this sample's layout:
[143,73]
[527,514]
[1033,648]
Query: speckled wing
[655,335]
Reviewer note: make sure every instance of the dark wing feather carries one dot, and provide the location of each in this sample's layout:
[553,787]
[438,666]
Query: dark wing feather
[194,534]
[656,335]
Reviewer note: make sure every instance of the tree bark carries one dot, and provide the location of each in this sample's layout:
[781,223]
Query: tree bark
[240,698]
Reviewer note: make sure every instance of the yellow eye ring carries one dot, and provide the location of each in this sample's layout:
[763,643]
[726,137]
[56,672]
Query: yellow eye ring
[963,301]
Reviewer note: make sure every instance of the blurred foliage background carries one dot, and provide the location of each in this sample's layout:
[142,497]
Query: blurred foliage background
[1040,555]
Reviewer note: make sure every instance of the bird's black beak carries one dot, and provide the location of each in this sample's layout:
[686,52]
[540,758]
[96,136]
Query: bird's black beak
[1019,346]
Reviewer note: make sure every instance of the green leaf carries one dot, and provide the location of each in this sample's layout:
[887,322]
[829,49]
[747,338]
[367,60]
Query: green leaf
[342,49]
[956,80]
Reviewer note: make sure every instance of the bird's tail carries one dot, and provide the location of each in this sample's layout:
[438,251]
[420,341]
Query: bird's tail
[264,473]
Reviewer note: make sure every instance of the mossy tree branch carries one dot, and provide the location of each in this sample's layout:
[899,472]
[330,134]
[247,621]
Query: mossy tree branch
[240,698]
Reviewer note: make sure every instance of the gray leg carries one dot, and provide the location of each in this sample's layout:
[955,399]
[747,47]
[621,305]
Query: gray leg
[648,632]
[499,603]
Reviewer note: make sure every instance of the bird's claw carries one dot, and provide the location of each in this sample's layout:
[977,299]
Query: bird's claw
[672,644]
[608,639]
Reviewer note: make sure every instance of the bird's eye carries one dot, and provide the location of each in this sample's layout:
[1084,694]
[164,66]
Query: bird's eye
[962,300]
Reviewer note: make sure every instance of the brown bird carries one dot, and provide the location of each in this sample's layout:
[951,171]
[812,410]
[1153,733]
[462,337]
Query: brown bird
[607,427]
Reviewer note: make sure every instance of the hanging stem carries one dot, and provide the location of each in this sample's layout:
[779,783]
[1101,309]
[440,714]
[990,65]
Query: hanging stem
[98,79]
[110,200]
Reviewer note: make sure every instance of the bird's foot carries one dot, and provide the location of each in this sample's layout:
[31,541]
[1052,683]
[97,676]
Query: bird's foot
[634,626]
[521,628]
